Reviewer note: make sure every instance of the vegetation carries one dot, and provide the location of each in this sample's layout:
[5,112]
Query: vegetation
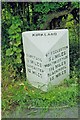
[19,17]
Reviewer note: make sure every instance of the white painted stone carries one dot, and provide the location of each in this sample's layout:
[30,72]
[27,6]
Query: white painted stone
[46,57]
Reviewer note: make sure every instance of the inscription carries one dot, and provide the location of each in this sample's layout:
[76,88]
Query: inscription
[56,51]
[55,65]
[44,34]
[34,65]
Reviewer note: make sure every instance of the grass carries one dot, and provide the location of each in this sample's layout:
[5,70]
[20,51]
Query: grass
[21,94]
[18,94]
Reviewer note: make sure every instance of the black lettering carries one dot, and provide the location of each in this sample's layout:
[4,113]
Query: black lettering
[51,69]
[49,59]
[49,74]
[51,78]
[33,34]
[38,74]
[41,34]
[48,33]
[55,33]
[47,65]
[62,72]
[33,72]
[44,34]
[59,74]
[62,53]
[31,61]
[58,55]
[64,62]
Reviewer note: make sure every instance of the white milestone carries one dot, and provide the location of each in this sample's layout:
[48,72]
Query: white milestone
[46,54]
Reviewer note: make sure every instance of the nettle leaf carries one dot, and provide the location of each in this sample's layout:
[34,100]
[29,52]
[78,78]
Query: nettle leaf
[18,36]
[14,49]
[16,20]
[9,52]
[14,26]
[10,31]
[18,60]
[38,8]
[18,24]
[12,36]
[18,30]
[18,42]
[15,36]
[19,55]
[18,51]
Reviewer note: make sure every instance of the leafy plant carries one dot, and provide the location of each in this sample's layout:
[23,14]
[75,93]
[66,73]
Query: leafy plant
[73,28]
[15,40]
[16,92]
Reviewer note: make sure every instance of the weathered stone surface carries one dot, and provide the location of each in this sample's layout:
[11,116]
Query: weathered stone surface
[46,57]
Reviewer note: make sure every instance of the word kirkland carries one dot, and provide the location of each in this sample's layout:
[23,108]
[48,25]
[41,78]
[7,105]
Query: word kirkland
[44,34]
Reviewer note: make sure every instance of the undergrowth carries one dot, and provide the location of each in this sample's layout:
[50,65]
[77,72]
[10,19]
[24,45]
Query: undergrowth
[20,94]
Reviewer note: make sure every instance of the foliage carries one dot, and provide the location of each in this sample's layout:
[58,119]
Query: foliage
[76,4]
[12,39]
[42,9]
[73,28]
[19,17]
[22,94]
[15,40]
[48,7]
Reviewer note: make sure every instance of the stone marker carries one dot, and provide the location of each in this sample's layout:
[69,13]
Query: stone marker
[46,57]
